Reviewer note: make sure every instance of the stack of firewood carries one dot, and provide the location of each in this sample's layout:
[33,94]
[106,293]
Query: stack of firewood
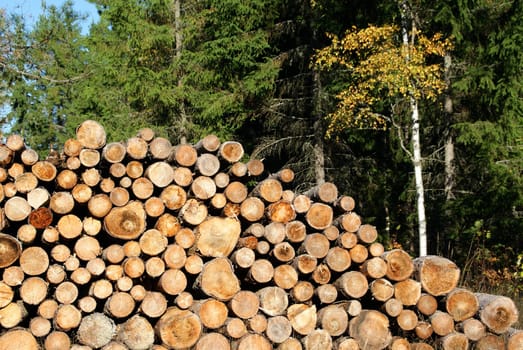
[147,245]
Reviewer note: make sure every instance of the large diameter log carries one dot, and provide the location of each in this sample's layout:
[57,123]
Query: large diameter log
[218,279]
[127,222]
[461,304]
[244,304]
[178,329]
[303,318]
[114,152]
[17,208]
[353,284]
[34,261]
[18,339]
[161,174]
[10,250]
[217,236]
[399,264]
[334,319]
[273,300]
[497,312]
[96,330]
[319,216]
[136,333]
[371,330]
[407,291]
[438,275]
[91,134]
[44,170]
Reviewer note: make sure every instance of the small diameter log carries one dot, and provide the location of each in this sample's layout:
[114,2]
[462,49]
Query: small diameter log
[96,330]
[438,275]
[283,252]
[217,236]
[13,276]
[69,226]
[17,209]
[261,271]
[235,328]
[136,333]
[161,174]
[392,307]
[305,263]
[302,292]
[66,292]
[423,330]
[210,143]
[212,341]
[334,319]
[244,304]
[147,134]
[160,148]
[183,176]
[349,222]
[303,318]
[407,320]
[252,209]
[136,148]
[44,170]
[67,317]
[316,245]
[461,304]
[178,328]
[18,339]
[270,190]
[89,157]
[231,151]
[34,261]
[367,233]
[407,291]
[243,257]
[120,305]
[381,289]
[26,182]
[473,328]
[301,203]
[203,187]
[38,197]
[326,192]
[280,211]
[454,341]
[39,326]
[212,313]
[319,216]
[273,300]
[352,284]
[371,330]
[278,329]
[399,264]
[185,155]
[6,294]
[194,211]
[154,304]
[127,222]
[490,342]
[285,276]
[374,267]
[292,344]
[218,280]
[114,152]
[91,134]
[40,218]
[498,313]
[207,164]
[326,293]
[427,304]
[442,323]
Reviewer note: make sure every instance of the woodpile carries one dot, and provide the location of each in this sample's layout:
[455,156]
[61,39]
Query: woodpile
[146,245]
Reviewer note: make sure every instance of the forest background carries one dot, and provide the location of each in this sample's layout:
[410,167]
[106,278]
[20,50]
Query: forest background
[393,101]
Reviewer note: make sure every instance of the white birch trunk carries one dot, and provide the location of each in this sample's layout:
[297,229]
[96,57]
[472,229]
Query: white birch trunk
[416,146]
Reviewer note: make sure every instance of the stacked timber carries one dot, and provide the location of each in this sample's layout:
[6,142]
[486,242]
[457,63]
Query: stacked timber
[147,245]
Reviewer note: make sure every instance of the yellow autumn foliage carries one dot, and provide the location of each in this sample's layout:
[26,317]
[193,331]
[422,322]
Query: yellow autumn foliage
[381,67]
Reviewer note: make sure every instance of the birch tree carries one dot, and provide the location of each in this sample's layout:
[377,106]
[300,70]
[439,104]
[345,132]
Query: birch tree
[391,71]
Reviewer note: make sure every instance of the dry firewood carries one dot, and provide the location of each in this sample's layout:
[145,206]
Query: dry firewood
[371,330]
[178,328]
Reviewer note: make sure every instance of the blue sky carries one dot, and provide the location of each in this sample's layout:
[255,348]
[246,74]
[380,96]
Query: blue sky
[31,9]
